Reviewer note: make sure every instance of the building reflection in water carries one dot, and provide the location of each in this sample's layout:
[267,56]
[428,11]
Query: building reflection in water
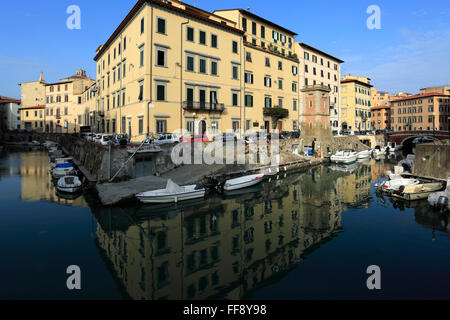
[37,184]
[226,247]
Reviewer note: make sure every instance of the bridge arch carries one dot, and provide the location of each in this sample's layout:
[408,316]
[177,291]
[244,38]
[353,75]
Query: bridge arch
[410,139]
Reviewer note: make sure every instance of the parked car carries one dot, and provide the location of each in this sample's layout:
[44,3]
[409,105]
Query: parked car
[97,137]
[196,138]
[106,139]
[229,136]
[167,138]
[121,139]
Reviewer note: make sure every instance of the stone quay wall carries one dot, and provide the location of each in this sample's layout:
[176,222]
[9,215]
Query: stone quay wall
[433,160]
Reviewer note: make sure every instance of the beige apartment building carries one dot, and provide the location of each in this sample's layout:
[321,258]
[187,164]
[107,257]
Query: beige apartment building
[356,103]
[379,98]
[33,92]
[63,100]
[270,69]
[322,69]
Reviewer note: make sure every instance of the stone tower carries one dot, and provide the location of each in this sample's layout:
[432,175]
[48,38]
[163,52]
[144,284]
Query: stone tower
[315,113]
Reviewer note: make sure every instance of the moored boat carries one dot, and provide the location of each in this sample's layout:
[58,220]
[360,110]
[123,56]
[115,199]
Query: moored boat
[395,184]
[172,193]
[365,154]
[62,170]
[440,200]
[243,182]
[345,156]
[417,192]
[69,184]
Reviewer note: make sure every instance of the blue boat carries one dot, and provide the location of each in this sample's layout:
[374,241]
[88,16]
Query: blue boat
[64,165]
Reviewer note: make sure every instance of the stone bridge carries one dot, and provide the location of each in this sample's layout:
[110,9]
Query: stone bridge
[405,137]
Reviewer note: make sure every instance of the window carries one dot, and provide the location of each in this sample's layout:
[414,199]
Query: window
[280,102]
[213,41]
[267,102]
[141,56]
[160,92]
[235,46]
[235,72]
[280,84]
[161,126]
[306,56]
[294,86]
[190,63]
[249,77]
[161,57]
[267,82]
[234,99]
[141,91]
[254,28]
[161,26]
[202,36]
[124,69]
[141,125]
[294,70]
[202,65]
[244,24]
[248,56]
[214,68]
[267,62]
[263,32]
[248,100]
[280,65]
[294,105]
[142,25]
[235,125]
[124,44]
[190,34]
[119,74]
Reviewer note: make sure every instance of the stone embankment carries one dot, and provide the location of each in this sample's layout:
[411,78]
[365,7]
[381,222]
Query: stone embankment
[433,160]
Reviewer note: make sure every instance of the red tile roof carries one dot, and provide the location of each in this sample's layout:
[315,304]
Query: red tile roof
[34,107]
[419,96]
[380,107]
[8,100]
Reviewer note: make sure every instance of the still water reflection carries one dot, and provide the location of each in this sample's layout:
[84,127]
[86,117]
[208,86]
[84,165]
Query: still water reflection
[306,235]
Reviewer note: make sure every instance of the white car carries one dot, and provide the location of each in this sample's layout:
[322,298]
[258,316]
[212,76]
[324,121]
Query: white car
[97,138]
[167,138]
[105,139]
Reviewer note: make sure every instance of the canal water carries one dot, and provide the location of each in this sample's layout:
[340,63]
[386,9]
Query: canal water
[309,235]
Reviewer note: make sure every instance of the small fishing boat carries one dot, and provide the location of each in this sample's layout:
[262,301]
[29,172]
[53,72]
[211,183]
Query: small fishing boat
[417,192]
[378,151]
[345,156]
[243,182]
[172,193]
[365,154]
[69,184]
[62,170]
[395,184]
[57,161]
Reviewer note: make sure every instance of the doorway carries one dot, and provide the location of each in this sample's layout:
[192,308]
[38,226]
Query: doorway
[267,126]
[202,128]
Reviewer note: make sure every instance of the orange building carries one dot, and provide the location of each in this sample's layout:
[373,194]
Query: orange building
[381,117]
[421,112]
[315,113]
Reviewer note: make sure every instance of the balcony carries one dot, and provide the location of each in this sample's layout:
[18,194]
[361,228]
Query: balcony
[203,106]
[276,112]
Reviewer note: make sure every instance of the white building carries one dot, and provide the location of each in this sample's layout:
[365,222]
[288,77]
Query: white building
[9,114]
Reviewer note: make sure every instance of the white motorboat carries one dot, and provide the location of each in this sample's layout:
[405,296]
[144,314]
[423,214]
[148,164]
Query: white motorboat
[345,156]
[395,184]
[243,182]
[62,170]
[365,154]
[69,184]
[172,193]
[378,151]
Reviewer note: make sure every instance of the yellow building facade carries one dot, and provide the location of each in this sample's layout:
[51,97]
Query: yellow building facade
[356,103]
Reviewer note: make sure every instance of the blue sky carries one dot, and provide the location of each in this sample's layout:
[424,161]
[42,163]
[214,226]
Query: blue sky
[411,51]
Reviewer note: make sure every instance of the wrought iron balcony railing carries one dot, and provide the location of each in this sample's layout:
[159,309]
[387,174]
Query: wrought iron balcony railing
[203,106]
[276,112]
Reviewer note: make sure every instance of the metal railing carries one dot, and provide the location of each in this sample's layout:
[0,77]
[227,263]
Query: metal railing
[207,106]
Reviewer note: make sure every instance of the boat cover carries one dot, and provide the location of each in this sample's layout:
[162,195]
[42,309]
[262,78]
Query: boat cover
[64,165]
[69,182]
